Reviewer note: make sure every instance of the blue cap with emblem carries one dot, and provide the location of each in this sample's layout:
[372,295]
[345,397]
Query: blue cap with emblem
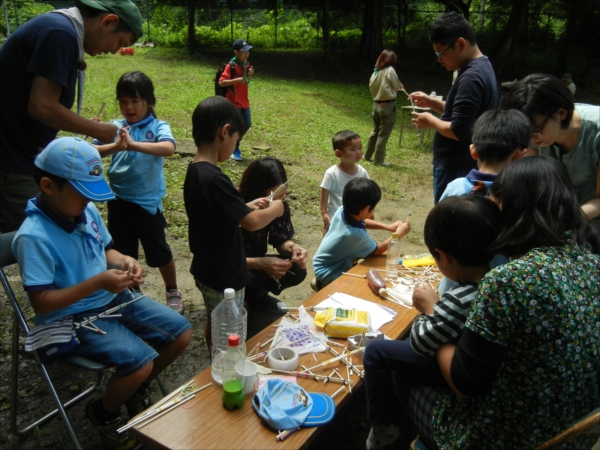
[285,405]
[80,164]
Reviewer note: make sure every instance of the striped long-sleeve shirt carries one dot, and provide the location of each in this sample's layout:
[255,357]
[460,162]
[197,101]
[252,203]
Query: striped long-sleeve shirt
[446,324]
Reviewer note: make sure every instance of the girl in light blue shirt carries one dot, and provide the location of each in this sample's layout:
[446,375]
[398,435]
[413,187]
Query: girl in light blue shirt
[137,178]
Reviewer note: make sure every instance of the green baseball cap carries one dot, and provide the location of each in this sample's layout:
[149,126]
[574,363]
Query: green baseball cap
[127,11]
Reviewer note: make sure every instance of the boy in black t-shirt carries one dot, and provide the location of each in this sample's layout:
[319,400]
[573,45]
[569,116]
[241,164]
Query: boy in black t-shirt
[215,208]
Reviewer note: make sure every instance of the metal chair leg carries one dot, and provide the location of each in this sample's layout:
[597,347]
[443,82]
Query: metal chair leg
[161,385]
[14,394]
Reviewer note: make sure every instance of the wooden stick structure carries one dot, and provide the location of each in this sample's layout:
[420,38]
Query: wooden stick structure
[274,193]
[312,376]
[105,315]
[337,358]
[152,414]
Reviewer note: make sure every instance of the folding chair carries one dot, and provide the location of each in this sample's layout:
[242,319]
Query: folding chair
[72,361]
[587,425]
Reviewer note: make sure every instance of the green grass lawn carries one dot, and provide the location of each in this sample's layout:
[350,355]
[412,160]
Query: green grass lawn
[298,103]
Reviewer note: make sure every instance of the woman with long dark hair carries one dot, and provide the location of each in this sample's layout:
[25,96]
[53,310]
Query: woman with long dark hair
[527,363]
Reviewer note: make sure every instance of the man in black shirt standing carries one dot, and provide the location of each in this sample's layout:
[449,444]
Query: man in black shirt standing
[474,92]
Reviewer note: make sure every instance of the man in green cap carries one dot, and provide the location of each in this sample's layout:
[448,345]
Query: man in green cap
[40,65]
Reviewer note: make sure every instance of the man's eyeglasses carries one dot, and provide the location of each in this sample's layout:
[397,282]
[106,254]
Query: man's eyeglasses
[439,55]
[540,130]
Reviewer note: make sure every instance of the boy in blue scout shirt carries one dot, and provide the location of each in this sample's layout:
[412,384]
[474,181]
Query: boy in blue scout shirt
[69,268]
[347,238]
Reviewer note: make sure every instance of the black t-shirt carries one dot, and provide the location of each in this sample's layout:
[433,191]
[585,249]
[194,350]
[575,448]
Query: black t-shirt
[46,46]
[214,207]
[280,230]
[474,92]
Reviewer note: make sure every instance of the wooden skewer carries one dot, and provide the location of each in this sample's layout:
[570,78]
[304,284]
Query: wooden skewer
[354,275]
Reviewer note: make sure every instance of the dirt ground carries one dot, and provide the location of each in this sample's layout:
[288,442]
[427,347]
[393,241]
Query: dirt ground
[350,424]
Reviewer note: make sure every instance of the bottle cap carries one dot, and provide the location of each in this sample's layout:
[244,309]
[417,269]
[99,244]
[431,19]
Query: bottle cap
[394,235]
[229,293]
[233,340]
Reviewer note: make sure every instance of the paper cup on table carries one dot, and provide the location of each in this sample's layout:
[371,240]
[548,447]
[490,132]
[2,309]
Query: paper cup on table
[246,373]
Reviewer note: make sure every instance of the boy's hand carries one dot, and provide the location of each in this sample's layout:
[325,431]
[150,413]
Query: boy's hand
[299,256]
[116,281]
[278,205]
[326,221]
[424,297]
[250,70]
[274,266]
[403,228]
[393,227]
[134,270]
[259,203]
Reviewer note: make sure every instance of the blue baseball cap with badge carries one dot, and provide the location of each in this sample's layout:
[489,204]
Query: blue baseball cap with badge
[79,163]
[285,405]
[241,45]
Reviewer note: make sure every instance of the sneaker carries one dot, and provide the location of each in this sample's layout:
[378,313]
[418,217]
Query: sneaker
[382,436]
[175,300]
[383,164]
[137,403]
[237,155]
[108,429]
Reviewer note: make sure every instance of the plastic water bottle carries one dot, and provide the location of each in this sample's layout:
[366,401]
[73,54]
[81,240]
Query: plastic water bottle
[227,318]
[393,255]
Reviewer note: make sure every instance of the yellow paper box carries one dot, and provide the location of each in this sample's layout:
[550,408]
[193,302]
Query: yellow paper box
[341,323]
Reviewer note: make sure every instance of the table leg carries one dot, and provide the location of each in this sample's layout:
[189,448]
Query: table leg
[401,128]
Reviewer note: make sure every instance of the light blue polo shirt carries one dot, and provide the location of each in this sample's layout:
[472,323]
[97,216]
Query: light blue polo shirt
[54,253]
[137,177]
[347,239]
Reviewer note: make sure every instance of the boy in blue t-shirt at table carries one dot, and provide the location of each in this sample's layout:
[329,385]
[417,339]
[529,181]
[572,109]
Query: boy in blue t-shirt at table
[216,209]
[71,272]
[499,138]
[347,238]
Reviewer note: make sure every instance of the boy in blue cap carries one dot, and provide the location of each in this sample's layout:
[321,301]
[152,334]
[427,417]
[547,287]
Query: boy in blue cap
[71,272]
[239,81]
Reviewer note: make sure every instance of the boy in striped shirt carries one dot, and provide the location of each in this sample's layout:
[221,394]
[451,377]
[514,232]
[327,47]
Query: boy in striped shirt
[458,232]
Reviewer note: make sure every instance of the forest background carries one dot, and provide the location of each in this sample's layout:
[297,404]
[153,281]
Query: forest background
[555,36]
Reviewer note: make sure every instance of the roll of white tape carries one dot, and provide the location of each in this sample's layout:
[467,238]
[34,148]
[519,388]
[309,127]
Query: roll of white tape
[283,358]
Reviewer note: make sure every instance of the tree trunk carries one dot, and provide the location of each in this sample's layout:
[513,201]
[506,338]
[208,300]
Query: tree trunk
[191,35]
[463,7]
[562,63]
[371,42]
[326,27]
[510,33]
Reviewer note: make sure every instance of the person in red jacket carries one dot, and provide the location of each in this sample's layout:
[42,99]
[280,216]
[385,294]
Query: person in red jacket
[238,84]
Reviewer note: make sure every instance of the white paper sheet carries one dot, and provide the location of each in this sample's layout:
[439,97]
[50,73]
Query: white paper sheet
[379,315]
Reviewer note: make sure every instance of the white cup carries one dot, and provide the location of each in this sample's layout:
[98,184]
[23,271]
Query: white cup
[246,374]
